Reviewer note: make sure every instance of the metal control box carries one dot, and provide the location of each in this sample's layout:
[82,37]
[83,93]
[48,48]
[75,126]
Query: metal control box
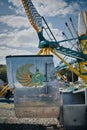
[35,84]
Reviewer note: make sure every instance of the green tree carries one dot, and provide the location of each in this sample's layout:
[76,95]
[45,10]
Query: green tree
[3,73]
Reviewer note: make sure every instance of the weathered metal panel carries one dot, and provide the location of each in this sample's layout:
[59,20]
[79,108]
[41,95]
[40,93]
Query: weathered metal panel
[74,110]
[73,98]
[74,117]
[36,85]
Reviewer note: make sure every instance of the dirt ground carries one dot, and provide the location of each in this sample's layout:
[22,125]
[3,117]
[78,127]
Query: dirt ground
[8,121]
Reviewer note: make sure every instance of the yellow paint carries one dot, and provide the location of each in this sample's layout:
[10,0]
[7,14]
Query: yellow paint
[83,67]
[29,16]
[44,51]
[83,45]
[40,52]
[86,20]
[5,88]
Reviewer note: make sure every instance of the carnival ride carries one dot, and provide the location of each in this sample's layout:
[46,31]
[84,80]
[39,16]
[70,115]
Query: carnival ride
[79,50]
[55,47]
[37,93]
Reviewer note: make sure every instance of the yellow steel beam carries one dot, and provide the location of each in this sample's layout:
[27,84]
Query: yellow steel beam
[5,88]
[40,52]
[83,45]
[44,51]
[48,51]
[70,67]
[29,15]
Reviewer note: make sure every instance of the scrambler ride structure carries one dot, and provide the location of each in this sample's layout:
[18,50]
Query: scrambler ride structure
[33,77]
[46,46]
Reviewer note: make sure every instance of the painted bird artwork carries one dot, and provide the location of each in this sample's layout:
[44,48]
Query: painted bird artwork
[26,78]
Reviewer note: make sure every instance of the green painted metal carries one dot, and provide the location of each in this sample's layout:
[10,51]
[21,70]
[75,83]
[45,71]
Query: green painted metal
[43,43]
[83,37]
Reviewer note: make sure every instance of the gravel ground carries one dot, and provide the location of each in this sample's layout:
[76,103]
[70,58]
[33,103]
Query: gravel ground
[8,121]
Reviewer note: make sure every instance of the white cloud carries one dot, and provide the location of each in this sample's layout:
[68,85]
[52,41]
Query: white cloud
[16,3]
[18,43]
[55,7]
[15,21]
[48,7]
[19,7]
[1,3]
[4,51]
[23,39]
[10,7]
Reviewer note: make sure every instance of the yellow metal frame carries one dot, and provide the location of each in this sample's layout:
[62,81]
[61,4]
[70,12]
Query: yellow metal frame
[4,90]
[84,77]
[47,51]
[29,16]
[83,68]
[44,51]
[83,45]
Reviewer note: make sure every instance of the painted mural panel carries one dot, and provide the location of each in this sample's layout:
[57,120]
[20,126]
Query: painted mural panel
[35,83]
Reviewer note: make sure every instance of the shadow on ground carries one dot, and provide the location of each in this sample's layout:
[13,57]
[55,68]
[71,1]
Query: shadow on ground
[22,127]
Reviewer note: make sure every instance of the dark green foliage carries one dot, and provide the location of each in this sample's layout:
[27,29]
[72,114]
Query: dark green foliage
[3,73]
[8,94]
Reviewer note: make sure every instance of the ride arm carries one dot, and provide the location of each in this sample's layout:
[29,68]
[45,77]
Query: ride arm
[33,16]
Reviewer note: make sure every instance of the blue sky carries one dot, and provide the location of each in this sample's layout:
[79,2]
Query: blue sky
[17,35]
